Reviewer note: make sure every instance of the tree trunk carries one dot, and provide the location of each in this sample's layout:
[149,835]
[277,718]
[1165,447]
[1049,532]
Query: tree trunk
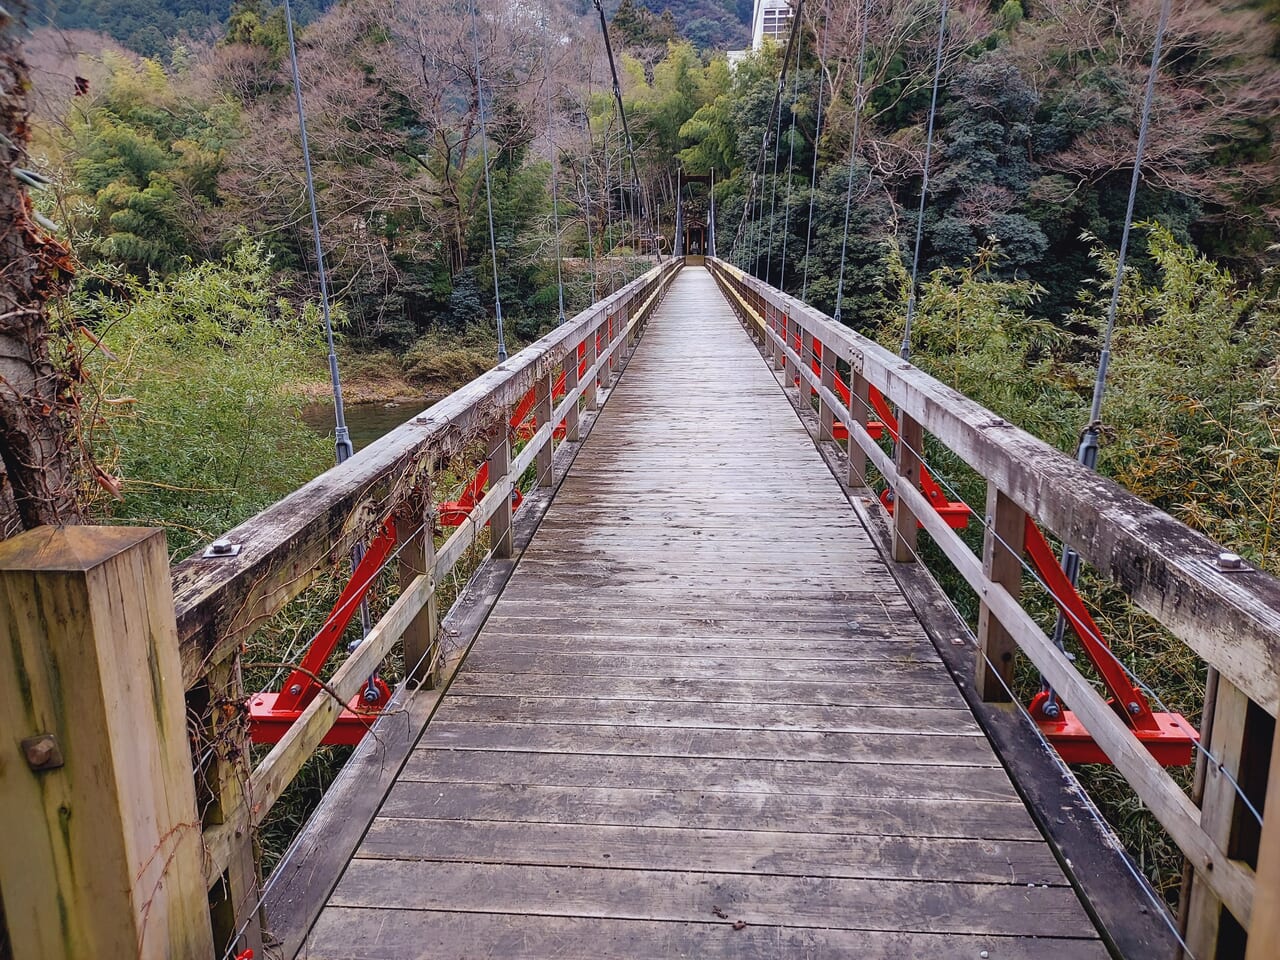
[37,478]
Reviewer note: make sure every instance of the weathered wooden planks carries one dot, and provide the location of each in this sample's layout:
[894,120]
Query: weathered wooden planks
[701,699]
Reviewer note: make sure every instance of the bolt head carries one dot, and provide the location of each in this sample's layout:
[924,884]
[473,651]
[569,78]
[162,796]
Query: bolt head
[295,689]
[220,547]
[42,752]
[1134,708]
[1230,561]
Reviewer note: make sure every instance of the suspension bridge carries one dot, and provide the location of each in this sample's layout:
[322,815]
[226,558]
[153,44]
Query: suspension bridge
[702,698]
[653,662]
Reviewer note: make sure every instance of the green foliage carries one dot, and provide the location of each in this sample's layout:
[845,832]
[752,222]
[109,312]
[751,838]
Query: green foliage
[196,375]
[146,163]
[1194,396]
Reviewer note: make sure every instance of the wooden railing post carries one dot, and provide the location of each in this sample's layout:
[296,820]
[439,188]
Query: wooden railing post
[499,466]
[860,407]
[415,531]
[1006,527]
[102,853]
[788,368]
[606,368]
[1264,932]
[572,427]
[1239,736]
[907,461]
[826,415]
[234,902]
[589,394]
[775,322]
[542,407]
[806,360]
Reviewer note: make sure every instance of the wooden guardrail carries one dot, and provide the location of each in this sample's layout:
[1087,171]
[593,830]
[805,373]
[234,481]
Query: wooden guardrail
[1230,619]
[120,851]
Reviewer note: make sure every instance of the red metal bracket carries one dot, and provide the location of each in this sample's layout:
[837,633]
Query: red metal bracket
[454,512]
[271,714]
[1168,736]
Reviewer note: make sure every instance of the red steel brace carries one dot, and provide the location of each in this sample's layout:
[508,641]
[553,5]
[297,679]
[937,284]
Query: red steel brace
[955,513]
[271,714]
[1168,736]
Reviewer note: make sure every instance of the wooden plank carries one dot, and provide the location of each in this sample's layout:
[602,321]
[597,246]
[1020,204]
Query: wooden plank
[685,896]
[703,715]
[883,693]
[964,750]
[712,775]
[380,934]
[873,622]
[737,668]
[854,856]
[800,612]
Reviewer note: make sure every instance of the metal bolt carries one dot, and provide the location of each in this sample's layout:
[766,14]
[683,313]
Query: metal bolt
[222,548]
[1134,708]
[295,689]
[42,752]
[372,695]
[1052,711]
[1230,561]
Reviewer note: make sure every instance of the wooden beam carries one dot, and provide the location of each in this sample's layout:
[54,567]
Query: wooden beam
[1264,934]
[1002,564]
[542,413]
[102,852]
[906,458]
[415,532]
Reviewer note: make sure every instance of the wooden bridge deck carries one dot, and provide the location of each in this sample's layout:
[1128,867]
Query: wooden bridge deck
[702,721]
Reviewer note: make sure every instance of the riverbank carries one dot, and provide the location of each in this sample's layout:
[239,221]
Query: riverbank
[432,367]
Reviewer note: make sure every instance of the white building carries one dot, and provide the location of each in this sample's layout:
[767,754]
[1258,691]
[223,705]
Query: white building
[771,18]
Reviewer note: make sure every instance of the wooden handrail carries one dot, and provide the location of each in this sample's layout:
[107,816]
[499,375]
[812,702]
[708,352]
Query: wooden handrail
[1231,620]
[221,601]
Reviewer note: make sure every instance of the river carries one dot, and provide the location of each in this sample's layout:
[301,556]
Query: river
[365,421]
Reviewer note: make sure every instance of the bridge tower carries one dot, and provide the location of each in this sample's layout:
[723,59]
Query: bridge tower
[695,231]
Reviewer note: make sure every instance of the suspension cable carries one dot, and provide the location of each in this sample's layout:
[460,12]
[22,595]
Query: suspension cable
[859,96]
[773,179]
[1087,452]
[488,187]
[768,128]
[555,168]
[817,136]
[905,352]
[622,112]
[343,447]
[791,157]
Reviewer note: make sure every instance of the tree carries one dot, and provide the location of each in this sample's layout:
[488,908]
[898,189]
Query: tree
[37,486]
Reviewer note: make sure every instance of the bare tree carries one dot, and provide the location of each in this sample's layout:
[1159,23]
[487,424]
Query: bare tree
[37,486]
